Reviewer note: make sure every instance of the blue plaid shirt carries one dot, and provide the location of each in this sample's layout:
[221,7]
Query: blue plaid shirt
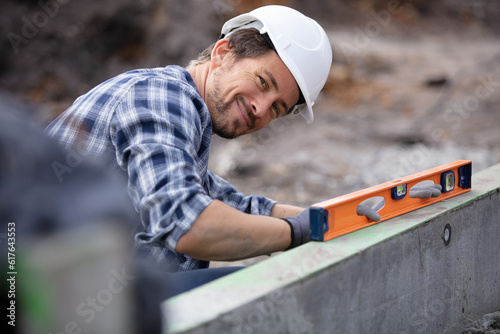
[153,125]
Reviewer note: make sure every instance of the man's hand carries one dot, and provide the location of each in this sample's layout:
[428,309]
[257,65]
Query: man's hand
[300,226]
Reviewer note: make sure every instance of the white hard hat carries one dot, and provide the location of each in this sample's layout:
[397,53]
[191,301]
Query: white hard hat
[300,42]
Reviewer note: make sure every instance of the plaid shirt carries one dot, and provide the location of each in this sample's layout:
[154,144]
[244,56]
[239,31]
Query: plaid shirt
[153,125]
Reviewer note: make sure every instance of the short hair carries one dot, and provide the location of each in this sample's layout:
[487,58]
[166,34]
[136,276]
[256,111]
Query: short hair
[243,43]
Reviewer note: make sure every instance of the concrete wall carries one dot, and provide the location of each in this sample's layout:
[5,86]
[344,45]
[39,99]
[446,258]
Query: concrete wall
[397,276]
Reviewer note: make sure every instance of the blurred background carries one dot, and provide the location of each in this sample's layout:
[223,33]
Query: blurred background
[414,84]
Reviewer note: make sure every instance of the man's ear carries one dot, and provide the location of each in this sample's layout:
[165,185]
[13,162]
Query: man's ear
[220,51]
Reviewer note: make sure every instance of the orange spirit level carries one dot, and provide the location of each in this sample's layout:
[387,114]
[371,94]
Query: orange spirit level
[337,216]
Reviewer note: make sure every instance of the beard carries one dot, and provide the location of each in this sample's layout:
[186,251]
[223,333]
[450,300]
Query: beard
[220,115]
[222,125]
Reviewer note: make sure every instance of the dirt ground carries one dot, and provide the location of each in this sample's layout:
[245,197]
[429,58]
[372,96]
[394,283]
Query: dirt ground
[394,107]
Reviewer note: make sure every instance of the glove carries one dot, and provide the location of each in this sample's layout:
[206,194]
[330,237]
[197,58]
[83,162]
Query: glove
[425,191]
[300,226]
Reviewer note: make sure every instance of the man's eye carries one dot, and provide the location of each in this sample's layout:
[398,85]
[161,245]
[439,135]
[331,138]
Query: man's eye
[263,82]
[276,109]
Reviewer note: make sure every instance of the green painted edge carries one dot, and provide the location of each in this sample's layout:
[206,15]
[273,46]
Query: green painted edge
[225,294]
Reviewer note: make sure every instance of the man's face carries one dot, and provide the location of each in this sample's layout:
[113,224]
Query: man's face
[244,96]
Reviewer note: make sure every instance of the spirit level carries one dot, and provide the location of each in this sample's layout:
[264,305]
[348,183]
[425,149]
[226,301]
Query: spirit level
[337,216]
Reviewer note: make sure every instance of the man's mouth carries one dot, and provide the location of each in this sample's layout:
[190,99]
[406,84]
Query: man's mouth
[243,112]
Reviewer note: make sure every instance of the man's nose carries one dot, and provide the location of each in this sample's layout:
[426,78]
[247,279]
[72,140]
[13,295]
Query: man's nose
[261,106]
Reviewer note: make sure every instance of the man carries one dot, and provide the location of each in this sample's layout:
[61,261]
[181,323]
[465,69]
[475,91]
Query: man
[155,125]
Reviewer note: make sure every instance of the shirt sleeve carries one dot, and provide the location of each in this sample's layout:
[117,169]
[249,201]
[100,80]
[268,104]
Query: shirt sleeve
[156,130]
[224,191]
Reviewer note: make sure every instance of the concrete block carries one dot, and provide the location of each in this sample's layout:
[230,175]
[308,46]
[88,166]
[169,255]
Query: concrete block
[398,276]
